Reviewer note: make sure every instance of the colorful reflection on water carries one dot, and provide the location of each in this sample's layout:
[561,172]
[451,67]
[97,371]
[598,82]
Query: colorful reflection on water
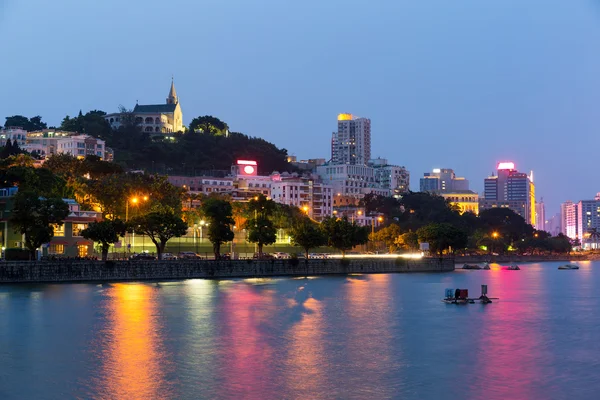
[350,337]
[133,358]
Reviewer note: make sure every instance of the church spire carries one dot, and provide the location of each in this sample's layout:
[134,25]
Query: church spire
[172,99]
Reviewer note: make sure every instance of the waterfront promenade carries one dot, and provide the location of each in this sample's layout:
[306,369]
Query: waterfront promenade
[100,271]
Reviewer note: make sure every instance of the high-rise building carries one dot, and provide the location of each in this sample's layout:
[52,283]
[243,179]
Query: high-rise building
[568,219]
[553,225]
[351,144]
[443,180]
[588,222]
[392,177]
[540,216]
[510,189]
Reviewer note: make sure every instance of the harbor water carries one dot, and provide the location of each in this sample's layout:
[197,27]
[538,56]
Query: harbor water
[337,337]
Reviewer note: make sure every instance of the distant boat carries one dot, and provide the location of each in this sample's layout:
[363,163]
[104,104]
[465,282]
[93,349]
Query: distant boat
[513,267]
[569,266]
[472,266]
[486,266]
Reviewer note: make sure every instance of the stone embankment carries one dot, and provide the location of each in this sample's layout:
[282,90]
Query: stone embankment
[81,271]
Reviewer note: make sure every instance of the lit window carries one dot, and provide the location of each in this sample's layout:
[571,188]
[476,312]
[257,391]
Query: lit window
[59,230]
[82,250]
[57,249]
[77,228]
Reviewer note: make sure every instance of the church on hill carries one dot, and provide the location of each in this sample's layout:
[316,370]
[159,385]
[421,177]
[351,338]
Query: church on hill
[155,118]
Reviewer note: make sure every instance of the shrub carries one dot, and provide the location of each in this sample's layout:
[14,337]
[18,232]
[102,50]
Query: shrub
[16,255]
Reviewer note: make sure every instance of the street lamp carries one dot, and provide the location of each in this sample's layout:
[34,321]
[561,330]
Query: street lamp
[495,236]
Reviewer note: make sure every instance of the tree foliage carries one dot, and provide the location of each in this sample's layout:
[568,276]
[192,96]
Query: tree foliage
[218,212]
[105,232]
[160,227]
[388,235]
[442,236]
[28,124]
[344,235]
[307,235]
[33,215]
[209,124]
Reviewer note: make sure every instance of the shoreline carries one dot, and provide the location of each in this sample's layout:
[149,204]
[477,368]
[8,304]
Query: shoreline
[525,259]
[121,271]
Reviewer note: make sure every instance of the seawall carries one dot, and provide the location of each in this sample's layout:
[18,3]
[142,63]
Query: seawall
[81,271]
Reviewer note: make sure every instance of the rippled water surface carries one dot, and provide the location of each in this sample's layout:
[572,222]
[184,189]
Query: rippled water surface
[355,337]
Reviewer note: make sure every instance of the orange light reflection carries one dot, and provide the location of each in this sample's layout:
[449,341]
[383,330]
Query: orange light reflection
[134,362]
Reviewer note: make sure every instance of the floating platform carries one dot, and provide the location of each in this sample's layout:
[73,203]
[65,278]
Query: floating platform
[461,296]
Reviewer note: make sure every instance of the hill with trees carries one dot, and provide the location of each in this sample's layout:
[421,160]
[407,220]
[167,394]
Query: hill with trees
[207,145]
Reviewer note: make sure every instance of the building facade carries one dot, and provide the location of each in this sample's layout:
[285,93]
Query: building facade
[442,180]
[511,189]
[569,219]
[81,146]
[351,144]
[14,134]
[48,142]
[394,178]
[465,200]
[540,216]
[351,180]
[67,240]
[305,192]
[154,118]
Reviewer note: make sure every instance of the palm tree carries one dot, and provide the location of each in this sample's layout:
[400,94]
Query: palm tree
[594,235]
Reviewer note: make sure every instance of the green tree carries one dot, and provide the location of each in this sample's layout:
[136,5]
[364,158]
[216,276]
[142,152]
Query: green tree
[307,235]
[388,235]
[408,241]
[105,232]
[209,124]
[219,215]
[261,231]
[33,215]
[343,235]
[159,226]
[442,237]
[560,244]
[29,124]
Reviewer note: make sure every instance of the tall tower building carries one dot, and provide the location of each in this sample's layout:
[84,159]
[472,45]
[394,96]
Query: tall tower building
[510,189]
[540,215]
[351,144]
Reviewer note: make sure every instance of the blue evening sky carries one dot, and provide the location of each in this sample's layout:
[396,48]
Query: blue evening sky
[459,84]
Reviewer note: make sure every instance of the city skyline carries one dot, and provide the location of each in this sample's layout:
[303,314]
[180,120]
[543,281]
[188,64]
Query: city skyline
[476,100]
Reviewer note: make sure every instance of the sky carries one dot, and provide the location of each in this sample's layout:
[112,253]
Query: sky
[447,84]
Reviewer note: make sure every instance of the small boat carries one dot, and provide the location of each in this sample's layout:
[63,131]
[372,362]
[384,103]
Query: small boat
[471,266]
[569,266]
[513,267]
[486,266]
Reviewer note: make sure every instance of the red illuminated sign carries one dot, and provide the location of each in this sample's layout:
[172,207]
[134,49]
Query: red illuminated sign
[506,165]
[246,162]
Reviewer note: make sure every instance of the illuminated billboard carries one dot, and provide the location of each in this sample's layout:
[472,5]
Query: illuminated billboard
[506,165]
[247,167]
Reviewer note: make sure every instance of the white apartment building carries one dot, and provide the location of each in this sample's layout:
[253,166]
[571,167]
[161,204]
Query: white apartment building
[588,222]
[14,134]
[81,146]
[351,180]
[392,177]
[351,144]
[306,193]
[568,216]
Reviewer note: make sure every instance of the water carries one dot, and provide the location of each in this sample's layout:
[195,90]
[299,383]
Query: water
[356,337]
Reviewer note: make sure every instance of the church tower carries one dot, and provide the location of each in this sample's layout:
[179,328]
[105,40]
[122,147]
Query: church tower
[172,99]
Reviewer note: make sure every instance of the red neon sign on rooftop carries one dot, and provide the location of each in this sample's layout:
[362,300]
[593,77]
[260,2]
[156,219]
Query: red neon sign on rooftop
[246,162]
[506,165]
